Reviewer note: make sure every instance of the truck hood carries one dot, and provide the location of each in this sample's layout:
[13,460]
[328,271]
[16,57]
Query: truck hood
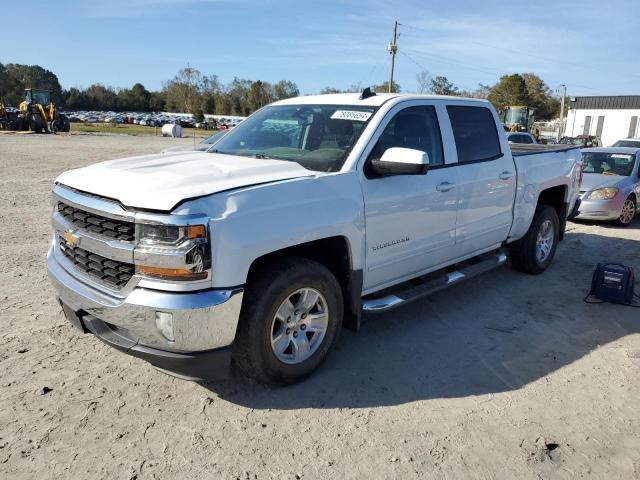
[160,182]
[592,181]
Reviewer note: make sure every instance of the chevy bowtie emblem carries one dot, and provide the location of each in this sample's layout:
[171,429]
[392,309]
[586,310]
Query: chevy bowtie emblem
[71,238]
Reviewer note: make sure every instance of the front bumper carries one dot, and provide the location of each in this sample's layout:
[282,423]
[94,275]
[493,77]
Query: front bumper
[204,322]
[601,209]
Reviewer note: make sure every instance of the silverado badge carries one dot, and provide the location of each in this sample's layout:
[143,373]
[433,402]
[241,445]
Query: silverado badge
[390,243]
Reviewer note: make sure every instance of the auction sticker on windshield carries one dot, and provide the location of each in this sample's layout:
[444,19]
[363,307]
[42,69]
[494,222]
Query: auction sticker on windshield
[351,115]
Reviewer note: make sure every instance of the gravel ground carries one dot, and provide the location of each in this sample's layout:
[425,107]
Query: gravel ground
[505,376]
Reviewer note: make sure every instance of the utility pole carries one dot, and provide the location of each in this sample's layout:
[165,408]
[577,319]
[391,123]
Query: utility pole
[564,95]
[393,49]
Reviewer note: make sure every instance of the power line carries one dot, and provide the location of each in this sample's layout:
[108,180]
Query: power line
[525,53]
[414,61]
[466,65]
[492,71]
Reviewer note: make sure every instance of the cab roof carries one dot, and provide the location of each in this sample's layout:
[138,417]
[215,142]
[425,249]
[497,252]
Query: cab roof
[374,100]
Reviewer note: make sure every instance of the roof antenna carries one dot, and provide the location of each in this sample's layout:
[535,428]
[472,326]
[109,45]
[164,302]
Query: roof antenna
[366,93]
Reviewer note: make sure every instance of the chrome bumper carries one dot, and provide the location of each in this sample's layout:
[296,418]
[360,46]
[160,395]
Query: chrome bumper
[202,320]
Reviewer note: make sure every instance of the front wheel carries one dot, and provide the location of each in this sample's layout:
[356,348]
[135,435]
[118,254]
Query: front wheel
[290,319]
[534,252]
[628,212]
[36,124]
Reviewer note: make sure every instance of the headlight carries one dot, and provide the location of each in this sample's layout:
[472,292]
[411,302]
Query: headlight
[603,193]
[150,234]
[171,252]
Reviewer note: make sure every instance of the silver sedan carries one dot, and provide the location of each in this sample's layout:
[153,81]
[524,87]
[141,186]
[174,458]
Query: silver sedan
[611,185]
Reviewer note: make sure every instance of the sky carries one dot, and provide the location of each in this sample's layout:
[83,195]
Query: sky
[591,46]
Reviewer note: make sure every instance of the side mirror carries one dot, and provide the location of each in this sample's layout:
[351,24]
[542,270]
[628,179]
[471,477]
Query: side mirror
[401,161]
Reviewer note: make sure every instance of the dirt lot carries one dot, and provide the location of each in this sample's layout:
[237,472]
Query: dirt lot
[506,376]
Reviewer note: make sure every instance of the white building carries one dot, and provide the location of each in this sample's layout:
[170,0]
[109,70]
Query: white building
[610,118]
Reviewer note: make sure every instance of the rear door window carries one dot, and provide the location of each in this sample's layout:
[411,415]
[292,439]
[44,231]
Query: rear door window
[475,133]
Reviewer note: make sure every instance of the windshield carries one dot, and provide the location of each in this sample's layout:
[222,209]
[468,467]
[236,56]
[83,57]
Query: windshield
[573,141]
[608,163]
[41,97]
[516,115]
[213,138]
[627,143]
[318,137]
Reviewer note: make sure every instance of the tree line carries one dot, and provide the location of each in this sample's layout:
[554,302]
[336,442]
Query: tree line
[191,91]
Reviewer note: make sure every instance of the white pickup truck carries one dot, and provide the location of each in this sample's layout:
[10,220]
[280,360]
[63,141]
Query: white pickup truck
[312,211]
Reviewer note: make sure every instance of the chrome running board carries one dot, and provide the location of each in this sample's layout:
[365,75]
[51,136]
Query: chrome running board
[421,287]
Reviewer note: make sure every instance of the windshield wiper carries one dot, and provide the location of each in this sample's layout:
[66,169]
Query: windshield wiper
[262,156]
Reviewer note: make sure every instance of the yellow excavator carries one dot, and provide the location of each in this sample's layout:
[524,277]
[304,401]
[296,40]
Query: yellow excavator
[36,113]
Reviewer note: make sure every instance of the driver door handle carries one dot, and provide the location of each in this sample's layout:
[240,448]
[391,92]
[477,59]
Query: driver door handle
[445,186]
[505,175]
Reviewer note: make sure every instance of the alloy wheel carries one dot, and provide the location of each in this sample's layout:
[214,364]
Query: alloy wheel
[544,241]
[299,326]
[628,212]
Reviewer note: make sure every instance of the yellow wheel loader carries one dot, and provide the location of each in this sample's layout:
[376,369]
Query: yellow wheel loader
[8,118]
[39,114]
[519,118]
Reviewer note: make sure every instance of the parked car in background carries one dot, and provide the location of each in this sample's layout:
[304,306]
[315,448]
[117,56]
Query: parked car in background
[584,141]
[628,142]
[521,137]
[200,147]
[611,185]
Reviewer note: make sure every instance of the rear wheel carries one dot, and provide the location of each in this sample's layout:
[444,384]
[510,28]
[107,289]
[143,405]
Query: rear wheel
[628,212]
[535,251]
[291,317]
[63,123]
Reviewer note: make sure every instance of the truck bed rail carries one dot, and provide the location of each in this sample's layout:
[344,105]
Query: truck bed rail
[521,149]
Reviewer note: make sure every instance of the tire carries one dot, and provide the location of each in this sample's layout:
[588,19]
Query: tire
[35,123]
[628,212]
[63,123]
[263,315]
[21,123]
[525,254]
[11,122]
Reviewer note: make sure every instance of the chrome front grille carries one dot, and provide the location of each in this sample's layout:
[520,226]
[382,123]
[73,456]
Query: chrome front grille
[110,272]
[91,222]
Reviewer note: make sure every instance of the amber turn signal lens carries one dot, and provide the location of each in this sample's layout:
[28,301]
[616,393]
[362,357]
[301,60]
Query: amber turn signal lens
[171,273]
[196,231]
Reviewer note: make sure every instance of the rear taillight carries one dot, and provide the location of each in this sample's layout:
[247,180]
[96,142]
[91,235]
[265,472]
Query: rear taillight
[581,174]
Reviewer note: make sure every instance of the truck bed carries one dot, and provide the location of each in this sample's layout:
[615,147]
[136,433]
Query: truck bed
[520,149]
